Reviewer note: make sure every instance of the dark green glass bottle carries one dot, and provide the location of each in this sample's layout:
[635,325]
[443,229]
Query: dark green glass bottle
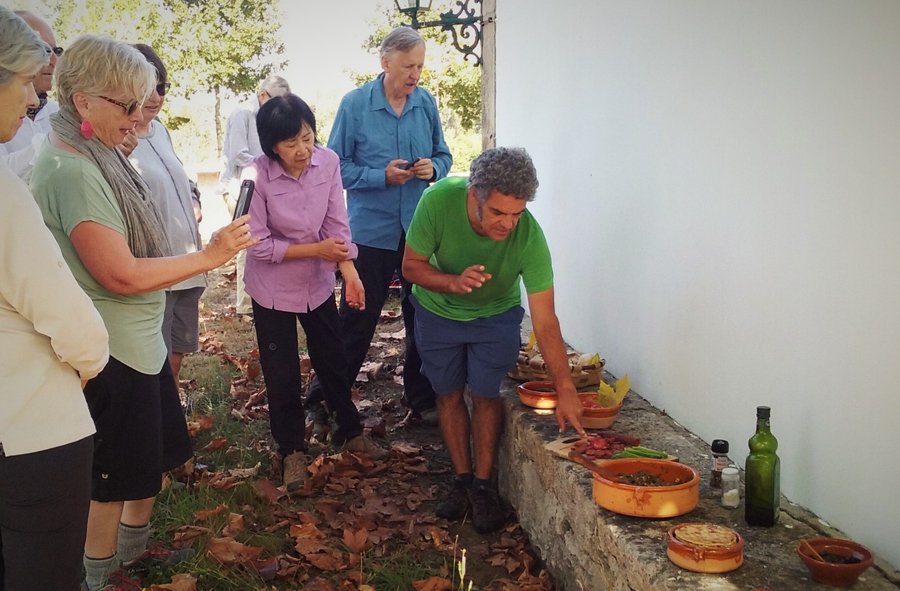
[763,486]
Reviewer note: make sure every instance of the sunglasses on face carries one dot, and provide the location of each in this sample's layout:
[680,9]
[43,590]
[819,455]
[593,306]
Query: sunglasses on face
[162,88]
[129,108]
[57,50]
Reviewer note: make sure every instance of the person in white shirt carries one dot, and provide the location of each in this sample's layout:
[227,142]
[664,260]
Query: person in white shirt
[240,148]
[53,340]
[20,152]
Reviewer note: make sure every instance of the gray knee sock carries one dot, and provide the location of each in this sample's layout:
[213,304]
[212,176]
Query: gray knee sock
[132,541]
[97,571]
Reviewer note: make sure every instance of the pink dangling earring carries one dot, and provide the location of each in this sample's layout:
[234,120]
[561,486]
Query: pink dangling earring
[87,130]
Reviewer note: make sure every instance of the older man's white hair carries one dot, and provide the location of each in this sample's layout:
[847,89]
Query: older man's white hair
[275,86]
[98,65]
[400,39]
[22,52]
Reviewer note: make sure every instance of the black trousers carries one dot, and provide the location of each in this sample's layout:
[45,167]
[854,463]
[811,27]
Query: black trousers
[44,501]
[276,333]
[376,268]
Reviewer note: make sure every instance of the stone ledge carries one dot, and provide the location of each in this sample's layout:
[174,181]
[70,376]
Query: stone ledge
[586,547]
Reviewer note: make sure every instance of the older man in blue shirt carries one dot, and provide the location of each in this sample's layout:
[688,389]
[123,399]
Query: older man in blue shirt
[389,138]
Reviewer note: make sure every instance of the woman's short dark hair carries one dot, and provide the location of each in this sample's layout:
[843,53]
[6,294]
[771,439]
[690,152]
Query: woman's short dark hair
[281,118]
[162,75]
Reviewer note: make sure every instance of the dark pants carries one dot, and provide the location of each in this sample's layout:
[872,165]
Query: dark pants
[276,333]
[376,268]
[44,501]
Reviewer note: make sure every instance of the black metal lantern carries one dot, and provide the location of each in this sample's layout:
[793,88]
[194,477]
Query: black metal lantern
[466,38]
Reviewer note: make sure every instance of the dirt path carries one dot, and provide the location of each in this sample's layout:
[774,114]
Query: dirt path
[357,525]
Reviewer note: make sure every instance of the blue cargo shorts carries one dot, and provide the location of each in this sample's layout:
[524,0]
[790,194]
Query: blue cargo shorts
[476,352]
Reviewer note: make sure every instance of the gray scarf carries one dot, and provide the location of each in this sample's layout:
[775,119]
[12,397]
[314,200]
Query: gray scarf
[143,224]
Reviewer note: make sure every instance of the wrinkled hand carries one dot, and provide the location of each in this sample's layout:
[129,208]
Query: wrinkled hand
[394,175]
[569,409]
[229,240]
[355,293]
[424,169]
[334,250]
[469,279]
[129,143]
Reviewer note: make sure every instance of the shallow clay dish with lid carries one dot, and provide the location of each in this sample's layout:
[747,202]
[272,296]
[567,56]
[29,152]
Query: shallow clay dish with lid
[538,394]
[705,547]
[648,501]
[837,575]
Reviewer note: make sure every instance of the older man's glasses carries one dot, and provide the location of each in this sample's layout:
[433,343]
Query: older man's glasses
[57,50]
[129,108]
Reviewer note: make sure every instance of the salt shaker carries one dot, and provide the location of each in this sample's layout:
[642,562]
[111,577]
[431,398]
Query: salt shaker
[731,488]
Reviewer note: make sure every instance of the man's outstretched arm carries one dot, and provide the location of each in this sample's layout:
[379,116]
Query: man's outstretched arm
[553,350]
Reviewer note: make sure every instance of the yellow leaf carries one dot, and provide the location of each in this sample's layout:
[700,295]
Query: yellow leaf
[595,359]
[622,388]
[531,341]
[606,396]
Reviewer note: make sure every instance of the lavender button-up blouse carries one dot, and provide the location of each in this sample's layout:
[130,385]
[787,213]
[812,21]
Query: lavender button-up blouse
[286,211]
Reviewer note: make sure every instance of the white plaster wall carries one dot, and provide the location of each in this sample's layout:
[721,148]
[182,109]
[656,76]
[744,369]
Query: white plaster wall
[720,187]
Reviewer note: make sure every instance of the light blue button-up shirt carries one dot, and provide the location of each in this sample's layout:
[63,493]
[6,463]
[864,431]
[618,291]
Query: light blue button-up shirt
[367,134]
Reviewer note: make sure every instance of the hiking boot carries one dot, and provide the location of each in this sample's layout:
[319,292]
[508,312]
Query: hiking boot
[157,555]
[455,502]
[364,444]
[430,417]
[295,471]
[118,581]
[487,514]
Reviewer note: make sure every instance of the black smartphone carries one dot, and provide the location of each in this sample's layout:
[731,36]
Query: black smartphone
[411,164]
[244,197]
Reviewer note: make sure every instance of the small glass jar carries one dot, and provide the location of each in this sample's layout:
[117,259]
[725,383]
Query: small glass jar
[731,488]
[720,461]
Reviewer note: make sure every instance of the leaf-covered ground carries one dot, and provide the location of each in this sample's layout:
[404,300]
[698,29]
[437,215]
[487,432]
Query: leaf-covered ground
[357,525]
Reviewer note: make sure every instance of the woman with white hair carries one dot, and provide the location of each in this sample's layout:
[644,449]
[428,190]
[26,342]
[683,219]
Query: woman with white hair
[109,229]
[51,337]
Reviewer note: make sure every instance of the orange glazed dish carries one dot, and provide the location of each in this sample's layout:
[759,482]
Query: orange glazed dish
[705,547]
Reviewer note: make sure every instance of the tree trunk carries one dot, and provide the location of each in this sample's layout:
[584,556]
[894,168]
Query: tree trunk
[218,118]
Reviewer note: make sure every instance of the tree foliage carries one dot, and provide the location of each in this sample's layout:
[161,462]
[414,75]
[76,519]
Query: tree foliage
[454,82]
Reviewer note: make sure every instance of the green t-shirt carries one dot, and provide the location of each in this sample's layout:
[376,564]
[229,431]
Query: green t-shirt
[441,230]
[69,190]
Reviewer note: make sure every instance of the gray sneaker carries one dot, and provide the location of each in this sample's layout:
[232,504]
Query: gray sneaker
[430,417]
[364,444]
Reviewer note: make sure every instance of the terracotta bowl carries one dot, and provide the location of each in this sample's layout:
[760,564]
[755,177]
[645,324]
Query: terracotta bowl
[597,418]
[705,559]
[648,501]
[837,575]
[538,394]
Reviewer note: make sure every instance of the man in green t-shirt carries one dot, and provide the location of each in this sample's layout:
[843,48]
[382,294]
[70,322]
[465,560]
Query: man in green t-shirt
[468,245]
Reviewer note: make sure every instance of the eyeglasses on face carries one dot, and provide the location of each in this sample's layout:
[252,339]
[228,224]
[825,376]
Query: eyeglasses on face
[162,88]
[57,50]
[129,108]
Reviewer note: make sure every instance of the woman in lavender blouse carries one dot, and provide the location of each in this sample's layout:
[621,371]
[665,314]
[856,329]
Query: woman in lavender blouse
[298,213]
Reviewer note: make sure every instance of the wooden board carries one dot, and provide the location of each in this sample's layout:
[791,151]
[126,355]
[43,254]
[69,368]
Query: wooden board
[562,446]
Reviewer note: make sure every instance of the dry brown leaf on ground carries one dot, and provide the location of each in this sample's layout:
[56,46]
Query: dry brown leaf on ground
[330,561]
[185,535]
[432,584]
[267,491]
[319,584]
[203,515]
[357,539]
[235,524]
[179,583]
[228,552]
[307,530]
[219,481]
[215,444]
[245,472]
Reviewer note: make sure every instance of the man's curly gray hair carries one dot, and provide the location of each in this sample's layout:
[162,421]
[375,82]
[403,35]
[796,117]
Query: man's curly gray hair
[506,170]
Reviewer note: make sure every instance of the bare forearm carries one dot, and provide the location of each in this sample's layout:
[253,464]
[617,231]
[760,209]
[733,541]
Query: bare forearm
[348,270]
[426,275]
[152,274]
[553,350]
